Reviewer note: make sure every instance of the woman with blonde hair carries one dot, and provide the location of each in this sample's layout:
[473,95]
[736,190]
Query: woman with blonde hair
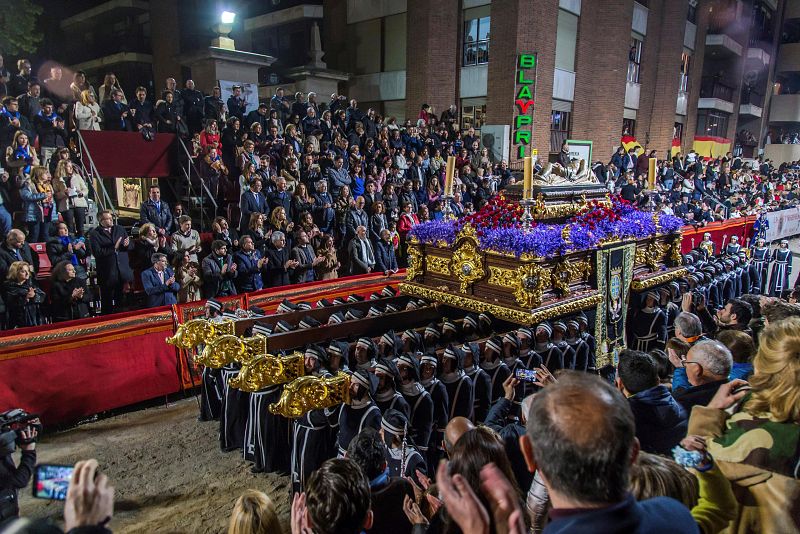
[87,111]
[38,204]
[22,297]
[328,269]
[187,273]
[71,193]
[254,513]
[758,447]
[110,83]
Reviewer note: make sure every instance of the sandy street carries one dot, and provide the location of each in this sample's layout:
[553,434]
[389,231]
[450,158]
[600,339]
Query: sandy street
[167,468]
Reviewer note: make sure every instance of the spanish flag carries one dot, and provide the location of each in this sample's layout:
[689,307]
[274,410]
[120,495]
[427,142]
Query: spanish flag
[676,147]
[629,141]
[710,147]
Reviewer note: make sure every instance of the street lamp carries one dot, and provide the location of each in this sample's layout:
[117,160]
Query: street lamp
[225,26]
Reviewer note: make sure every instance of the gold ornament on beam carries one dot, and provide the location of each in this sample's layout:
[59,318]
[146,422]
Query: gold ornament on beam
[231,348]
[312,393]
[467,260]
[198,331]
[267,370]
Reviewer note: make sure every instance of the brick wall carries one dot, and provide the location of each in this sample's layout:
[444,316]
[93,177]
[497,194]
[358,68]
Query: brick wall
[522,26]
[698,59]
[666,26]
[601,66]
[432,55]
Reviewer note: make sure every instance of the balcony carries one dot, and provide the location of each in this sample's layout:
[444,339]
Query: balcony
[785,108]
[715,95]
[722,46]
[758,53]
[789,58]
[751,104]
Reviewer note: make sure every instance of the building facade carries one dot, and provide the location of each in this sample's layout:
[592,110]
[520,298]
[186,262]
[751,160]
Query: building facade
[669,75]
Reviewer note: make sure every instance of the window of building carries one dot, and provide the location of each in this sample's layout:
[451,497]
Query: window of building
[712,123]
[560,127]
[566,39]
[628,126]
[691,15]
[686,65]
[473,113]
[634,59]
[677,131]
[476,41]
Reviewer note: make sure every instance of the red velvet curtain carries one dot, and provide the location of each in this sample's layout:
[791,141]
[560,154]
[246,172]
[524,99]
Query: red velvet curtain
[127,154]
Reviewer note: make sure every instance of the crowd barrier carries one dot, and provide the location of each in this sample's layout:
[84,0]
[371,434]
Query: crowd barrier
[72,370]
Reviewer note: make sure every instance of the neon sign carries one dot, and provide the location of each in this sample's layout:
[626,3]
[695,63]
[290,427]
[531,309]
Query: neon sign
[524,95]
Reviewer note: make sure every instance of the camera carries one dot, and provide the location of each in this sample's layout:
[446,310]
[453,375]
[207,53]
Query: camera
[526,375]
[12,423]
[697,297]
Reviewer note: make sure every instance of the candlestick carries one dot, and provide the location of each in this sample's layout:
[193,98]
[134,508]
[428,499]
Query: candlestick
[527,216]
[527,177]
[449,170]
[447,208]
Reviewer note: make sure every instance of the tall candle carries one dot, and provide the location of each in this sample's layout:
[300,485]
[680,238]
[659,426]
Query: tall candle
[449,170]
[651,174]
[527,179]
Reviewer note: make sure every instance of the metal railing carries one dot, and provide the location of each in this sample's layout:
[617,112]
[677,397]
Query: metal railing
[104,201]
[188,171]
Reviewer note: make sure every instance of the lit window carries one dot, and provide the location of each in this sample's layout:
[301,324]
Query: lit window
[634,60]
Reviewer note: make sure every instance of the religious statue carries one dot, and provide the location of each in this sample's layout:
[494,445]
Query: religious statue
[576,173]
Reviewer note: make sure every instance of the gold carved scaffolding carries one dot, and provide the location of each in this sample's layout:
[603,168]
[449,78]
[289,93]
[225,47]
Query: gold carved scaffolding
[651,254]
[414,260]
[467,260]
[312,393]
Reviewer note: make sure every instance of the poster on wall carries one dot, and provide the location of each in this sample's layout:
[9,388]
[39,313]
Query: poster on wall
[495,138]
[580,150]
[249,92]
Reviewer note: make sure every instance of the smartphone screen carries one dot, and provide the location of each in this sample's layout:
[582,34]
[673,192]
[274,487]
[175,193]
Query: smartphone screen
[52,481]
[527,375]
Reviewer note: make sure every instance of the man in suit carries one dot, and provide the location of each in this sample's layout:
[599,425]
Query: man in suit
[362,258]
[385,259]
[116,115]
[252,201]
[356,217]
[249,265]
[219,270]
[16,249]
[156,211]
[193,107]
[142,111]
[280,197]
[237,106]
[110,244]
[159,282]
[306,260]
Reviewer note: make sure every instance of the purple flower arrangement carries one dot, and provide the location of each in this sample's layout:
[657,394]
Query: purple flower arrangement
[588,230]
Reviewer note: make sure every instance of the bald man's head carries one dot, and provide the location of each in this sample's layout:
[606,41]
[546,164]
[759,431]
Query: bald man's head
[581,434]
[457,427]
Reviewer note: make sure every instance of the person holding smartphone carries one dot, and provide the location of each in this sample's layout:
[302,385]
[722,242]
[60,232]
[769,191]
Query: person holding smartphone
[15,477]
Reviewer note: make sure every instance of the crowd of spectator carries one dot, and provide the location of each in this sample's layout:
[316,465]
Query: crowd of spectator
[306,190]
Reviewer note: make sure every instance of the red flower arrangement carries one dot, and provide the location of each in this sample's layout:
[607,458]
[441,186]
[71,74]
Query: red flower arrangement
[498,212]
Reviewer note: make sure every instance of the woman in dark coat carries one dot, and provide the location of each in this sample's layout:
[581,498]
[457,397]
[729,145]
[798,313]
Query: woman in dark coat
[69,296]
[278,262]
[62,247]
[21,296]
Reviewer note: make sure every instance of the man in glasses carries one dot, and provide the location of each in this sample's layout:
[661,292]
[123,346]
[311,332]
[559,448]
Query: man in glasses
[707,366]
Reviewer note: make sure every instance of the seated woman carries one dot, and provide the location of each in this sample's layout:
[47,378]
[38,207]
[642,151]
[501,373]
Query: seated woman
[62,247]
[22,297]
[69,297]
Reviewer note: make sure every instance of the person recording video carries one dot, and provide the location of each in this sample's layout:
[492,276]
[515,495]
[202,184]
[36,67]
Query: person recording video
[12,477]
